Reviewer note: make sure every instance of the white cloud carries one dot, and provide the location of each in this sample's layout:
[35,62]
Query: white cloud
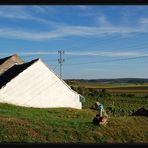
[13,12]
[65,31]
[103,20]
[62,30]
[39,9]
[86,53]
[19,12]
[38,53]
[144,21]
[108,54]
[29,35]
[83,7]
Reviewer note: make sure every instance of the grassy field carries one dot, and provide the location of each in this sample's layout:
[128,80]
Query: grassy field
[31,125]
[98,85]
[67,125]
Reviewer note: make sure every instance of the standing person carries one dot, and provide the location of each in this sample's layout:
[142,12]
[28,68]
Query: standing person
[101,109]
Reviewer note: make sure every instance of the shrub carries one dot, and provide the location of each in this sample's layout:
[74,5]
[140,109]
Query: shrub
[146,96]
[103,93]
[127,95]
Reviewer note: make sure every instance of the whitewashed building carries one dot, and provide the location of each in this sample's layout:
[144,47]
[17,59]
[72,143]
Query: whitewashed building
[33,84]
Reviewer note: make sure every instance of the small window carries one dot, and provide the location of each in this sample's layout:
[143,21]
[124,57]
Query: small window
[82,99]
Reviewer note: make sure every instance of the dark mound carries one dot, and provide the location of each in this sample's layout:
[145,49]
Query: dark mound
[141,112]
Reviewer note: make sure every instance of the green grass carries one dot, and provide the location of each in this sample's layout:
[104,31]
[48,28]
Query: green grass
[118,105]
[61,125]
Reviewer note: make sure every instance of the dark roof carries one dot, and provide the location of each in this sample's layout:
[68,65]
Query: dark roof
[13,72]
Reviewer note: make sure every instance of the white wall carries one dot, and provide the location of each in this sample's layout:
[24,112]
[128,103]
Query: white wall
[37,86]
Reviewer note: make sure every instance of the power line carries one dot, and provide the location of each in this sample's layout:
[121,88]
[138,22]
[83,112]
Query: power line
[50,60]
[103,53]
[95,62]
[61,52]
[55,67]
[111,39]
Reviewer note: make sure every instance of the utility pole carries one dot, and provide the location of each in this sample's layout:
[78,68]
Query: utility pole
[61,60]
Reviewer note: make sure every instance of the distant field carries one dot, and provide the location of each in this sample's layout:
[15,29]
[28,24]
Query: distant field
[115,87]
[130,89]
[98,85]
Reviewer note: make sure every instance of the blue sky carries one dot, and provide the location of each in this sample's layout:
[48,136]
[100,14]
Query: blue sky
[93,38]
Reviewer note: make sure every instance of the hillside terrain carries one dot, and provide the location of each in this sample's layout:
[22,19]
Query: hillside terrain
[28,125]
[67,125]
[111,81]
